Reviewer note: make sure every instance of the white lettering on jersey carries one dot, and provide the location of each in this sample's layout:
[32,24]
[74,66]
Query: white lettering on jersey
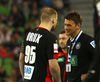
[30,57]
[28,36]
[33,37]
[38,38]
[55,48]
[92,44]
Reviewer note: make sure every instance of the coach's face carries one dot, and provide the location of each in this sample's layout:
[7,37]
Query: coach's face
[70,27]
[63,40]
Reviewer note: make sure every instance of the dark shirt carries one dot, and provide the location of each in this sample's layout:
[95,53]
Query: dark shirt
[39,47]
[62,61]
[81,57]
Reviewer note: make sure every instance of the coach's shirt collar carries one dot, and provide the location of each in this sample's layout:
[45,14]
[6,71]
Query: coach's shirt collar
[72,40]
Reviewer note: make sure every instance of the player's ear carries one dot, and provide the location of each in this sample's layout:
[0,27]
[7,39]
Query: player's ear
[53,20]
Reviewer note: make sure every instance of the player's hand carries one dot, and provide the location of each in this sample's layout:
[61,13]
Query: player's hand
[67,81]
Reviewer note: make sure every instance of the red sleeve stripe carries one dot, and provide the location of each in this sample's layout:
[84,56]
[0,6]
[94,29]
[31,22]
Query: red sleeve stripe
[55,56]
[55,49]
[99,21]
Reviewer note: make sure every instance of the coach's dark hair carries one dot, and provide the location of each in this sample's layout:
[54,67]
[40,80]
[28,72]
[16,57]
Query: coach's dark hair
[75,16]
[62,32]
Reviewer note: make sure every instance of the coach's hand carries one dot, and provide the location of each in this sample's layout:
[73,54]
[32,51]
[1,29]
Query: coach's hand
[92,77]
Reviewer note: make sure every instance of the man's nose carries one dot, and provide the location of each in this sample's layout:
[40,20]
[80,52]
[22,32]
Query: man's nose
[66,27]
[61,40]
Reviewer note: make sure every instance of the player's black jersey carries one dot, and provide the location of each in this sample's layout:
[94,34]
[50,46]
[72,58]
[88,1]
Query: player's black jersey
[62,60]
[39,46]
[81,57]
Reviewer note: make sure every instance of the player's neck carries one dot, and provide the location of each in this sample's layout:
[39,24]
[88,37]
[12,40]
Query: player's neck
[64,50]
[74,35]
[46,26]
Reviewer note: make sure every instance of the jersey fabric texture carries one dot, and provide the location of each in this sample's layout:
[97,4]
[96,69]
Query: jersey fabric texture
[81,58]
[62,61]
[38,47]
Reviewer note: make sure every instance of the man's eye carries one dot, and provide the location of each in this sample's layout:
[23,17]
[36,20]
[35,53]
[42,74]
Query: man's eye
[63,38]
[68,25]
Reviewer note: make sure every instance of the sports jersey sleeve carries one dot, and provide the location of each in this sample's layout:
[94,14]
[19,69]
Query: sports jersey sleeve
[52,47]
[22,48]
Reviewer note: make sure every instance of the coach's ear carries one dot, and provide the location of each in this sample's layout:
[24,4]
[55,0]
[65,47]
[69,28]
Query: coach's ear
[78,26]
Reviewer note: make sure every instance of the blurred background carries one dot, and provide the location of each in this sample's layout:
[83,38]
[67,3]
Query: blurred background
[18,16]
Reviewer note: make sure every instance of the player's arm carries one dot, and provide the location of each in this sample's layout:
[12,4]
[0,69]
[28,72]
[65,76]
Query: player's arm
[55,69]
[52,51]
[21,62]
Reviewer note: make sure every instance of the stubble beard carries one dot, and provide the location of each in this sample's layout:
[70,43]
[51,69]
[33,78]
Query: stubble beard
[53,28]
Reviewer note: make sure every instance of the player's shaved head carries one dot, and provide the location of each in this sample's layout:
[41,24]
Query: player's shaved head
[47,14]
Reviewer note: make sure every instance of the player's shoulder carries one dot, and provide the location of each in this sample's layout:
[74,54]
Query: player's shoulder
[51,38]
[33,29]
[40,31]
[50,35]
